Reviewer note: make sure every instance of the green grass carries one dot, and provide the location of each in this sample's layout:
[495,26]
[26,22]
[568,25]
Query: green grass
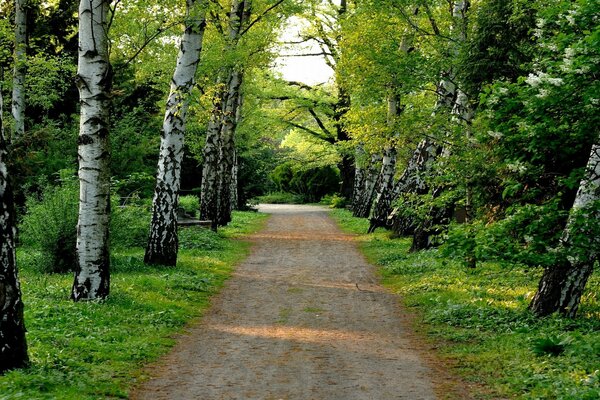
[479,320]
[96,350]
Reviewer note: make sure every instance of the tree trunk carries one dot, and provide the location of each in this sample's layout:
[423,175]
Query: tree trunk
[20,68]
[13,346]
[212,171]
[94,78]
[385,194]
[227,153]
[363,209]
[210,167]
[561,287]
[359,177]
[384,190]
[163,243]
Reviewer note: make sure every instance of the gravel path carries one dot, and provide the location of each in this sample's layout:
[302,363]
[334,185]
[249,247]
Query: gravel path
[302,318]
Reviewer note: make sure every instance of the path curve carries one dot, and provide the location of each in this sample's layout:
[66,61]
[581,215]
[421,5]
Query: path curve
[302,318]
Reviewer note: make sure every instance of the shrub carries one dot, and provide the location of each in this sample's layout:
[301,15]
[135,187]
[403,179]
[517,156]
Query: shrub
[190,203]
[50,227]
[334,201]
[130,224]
[280,198]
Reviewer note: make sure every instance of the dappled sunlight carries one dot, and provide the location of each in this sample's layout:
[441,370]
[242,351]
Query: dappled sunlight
[305,235]
[295,333]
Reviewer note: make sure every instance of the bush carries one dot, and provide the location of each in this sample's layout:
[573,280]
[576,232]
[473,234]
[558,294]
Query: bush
[280,198]
[190,203]
[334,201]
[130,224]
[50,227]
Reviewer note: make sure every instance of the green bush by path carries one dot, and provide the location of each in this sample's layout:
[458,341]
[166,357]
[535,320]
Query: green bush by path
[479,319]
[90,351]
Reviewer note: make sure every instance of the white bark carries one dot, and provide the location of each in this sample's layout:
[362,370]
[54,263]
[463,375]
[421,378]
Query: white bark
[94,83]
[370,183]
[13,346]
[561,287]
[20,68]
[163,241]
[212,170]
[227,151]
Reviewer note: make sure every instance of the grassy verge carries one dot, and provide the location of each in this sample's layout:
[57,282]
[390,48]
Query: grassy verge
[96,350]
[479,319]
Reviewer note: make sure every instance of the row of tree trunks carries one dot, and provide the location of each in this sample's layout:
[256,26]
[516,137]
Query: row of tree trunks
[20,68]
[384,197]
[413,182]
[227,151]
[360,174]
[163,241]
[365,196]
[561,286]
[13,347]
[219,149]
[94,80]
[210,167]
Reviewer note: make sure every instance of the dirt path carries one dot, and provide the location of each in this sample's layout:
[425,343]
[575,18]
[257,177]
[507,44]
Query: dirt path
[302,318]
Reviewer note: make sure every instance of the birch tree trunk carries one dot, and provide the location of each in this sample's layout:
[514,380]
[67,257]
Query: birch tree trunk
[383,201]
[561,287]
[359,177]
[210,167]
[458,102]
[163,242]
[384,189]
[20,68]
[363,209]
[13,346]
[93,80]
[211,170]
[413,181]
[227,151]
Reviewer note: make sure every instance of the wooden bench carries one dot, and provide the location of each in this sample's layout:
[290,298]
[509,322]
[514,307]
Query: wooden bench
[184,219]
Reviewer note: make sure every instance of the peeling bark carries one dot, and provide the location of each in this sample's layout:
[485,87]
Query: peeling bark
[13,346]
[163,242]
[20,68]
[561,287]
[94,79]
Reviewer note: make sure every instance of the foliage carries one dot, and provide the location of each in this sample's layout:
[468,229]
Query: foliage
[49,226]
[310,184]
[334,201]
[190,203]
[87,350]
[479,320]
[280,198]
[129,224]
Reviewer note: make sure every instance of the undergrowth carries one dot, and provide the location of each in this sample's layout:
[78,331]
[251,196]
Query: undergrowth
[96,350]
[479,320]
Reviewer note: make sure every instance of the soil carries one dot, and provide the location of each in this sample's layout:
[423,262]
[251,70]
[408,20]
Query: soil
[304,317]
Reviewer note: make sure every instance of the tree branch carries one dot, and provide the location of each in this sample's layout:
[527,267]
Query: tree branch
[250,25]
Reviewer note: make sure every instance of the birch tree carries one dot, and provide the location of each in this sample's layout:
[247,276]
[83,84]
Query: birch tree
[227,148]
[163,242]
[94,80]
[20,68]
[561,286]
[13,347]
[224,107]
